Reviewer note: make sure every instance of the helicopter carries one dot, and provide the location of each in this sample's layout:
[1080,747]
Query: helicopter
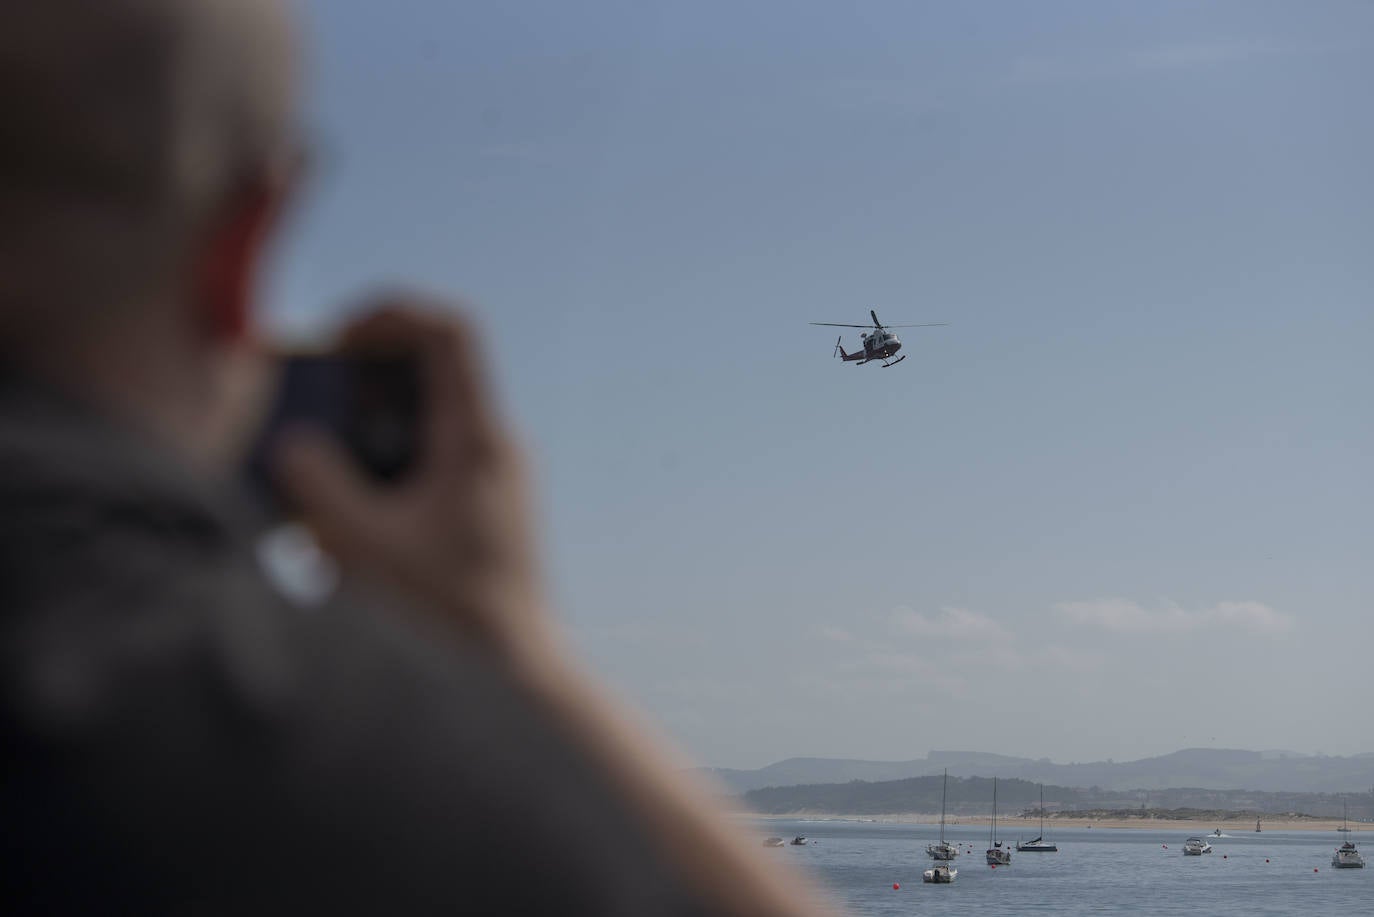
[879,343]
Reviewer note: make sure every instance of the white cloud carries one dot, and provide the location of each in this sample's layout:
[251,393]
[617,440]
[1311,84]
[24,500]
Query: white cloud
[1077,661]
[899,672]
[835,634]
[950,624]
[944,656]
[1124,616]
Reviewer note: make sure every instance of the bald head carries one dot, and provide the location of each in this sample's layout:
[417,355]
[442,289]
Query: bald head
[126,125]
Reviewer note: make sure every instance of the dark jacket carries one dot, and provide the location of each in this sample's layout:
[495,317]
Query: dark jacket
[178,737]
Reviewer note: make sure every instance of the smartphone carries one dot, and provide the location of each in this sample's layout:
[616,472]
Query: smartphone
[371,403]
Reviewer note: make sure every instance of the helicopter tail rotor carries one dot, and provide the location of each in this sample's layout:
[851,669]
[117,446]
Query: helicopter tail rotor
[839,351]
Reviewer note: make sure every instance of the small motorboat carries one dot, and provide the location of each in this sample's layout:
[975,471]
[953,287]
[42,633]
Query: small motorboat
[1216,833]
[773,842]
[799,840]
[939,874]
[1196,847]
[1347,857]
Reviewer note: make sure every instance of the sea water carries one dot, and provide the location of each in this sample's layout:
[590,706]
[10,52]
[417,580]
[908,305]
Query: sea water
[1096,871]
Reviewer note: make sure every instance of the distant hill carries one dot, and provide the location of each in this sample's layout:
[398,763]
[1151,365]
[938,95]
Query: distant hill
[973,796]
[1204,768]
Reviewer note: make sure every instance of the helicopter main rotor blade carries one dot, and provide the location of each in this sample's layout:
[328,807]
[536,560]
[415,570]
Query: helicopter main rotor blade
[876,324]
[844,325]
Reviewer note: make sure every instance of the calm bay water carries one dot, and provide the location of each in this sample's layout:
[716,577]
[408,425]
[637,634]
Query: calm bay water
[1096,871]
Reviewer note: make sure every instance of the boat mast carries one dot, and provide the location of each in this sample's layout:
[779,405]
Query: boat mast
[944,788]
[992,835]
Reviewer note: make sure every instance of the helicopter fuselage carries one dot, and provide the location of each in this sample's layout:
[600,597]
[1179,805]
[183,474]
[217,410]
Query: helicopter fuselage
[878,345]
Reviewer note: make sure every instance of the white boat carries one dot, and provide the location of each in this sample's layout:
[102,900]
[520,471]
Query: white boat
[997,854]
[942,851]
[940,874]
[1347,856]
[1196,847]
[1039,845]
[799,840]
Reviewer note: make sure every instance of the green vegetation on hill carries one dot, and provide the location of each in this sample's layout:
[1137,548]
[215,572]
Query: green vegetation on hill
[1184,814]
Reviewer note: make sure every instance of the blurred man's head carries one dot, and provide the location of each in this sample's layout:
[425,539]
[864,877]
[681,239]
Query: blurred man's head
[145,146]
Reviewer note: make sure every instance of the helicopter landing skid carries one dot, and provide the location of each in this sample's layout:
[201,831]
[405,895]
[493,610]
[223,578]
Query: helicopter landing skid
[894,362]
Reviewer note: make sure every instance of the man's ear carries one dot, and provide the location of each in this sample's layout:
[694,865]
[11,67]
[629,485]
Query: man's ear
[226,273]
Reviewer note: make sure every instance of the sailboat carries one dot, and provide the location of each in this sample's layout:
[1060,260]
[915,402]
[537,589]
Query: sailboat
[942,851]
[1347,857]
[1039,845]
[997,854]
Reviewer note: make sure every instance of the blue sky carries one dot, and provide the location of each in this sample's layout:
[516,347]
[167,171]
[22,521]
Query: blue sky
[1121,505]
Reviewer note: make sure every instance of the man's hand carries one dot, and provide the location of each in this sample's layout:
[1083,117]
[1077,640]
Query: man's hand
[453,536]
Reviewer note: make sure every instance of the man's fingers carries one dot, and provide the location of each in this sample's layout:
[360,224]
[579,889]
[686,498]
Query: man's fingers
[461,428]
[397,323]
[460,421]
[326,486]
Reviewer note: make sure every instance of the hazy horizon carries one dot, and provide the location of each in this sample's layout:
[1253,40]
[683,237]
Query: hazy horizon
[1119,507]
[1007,754]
